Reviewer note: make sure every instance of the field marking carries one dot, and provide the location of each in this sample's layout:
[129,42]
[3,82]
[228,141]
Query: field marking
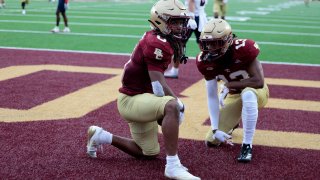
[139,36]
[293,82]
[193,127]
[66,106]
[253,12]
[147,27]
[273,25]
[129,54]
[290,17]
[288,21]
[85,17]
[141,14]
[145,19]
[79,23]
[270,8]
[106,91]
[290,104]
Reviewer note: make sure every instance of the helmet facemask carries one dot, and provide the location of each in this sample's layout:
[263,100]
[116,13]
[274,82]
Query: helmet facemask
[177,27]
[215,39]
[170,18]
[216,47]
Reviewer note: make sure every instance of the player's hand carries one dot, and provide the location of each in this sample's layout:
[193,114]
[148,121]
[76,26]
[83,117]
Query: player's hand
[222,95]
[184,59]
[225,1]
[223,137]
[192,24]
[180,52]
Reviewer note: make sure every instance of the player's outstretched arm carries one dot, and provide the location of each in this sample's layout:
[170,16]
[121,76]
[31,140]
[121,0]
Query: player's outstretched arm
[213,102]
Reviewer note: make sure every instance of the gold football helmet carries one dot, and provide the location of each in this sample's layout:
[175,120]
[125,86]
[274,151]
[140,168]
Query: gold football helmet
[170,18]
[215,38]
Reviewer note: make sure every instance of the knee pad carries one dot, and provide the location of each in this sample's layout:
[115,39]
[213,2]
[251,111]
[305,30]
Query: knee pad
[248,96]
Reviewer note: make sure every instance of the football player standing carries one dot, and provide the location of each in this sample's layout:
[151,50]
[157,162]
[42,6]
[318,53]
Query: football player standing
[63,5]
[23,6]
[196,10]
[2,4]
[145,98]
[307,2]
[234,61]
[220,8]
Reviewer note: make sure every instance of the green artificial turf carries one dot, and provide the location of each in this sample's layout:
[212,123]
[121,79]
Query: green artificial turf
[289,32]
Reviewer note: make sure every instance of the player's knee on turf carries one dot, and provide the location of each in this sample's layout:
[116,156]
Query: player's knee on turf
[151,152]
[146,137]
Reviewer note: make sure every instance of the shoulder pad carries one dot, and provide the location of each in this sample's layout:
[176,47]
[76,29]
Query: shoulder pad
[245,49]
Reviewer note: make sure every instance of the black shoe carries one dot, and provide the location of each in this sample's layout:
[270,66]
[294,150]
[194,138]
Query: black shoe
[211,145]
[245,154]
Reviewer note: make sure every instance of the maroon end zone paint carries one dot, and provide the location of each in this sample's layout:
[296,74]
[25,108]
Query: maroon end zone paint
[56,149]
[34,89]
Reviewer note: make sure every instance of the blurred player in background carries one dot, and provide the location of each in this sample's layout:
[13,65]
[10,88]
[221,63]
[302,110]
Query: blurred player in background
[23,6]
[145,100]
[196,10]
[62,8]
[220,8]
[234,61]
[306,2]
[2,4]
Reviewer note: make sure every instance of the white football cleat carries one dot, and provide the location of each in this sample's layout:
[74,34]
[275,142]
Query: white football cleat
[171,74]
[55,29]
[179,172]
[66,30]
[92,143]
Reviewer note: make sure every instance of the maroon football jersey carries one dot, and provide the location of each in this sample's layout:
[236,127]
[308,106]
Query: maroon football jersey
[152,53]
[233,65]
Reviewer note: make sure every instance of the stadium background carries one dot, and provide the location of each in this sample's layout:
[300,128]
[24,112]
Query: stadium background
[45,79]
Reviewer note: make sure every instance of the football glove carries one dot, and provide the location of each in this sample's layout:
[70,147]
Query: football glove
[225,1]
[66,6]
[181,117]
[180,51]
[192,24]
[184,59]
[223,137]
[222,95]
[181,108]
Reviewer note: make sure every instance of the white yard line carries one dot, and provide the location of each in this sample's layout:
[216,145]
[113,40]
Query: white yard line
[77,23]
[147,26]
[79,17]
[273,25]
[72,34]
[130,18]
[139,36]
